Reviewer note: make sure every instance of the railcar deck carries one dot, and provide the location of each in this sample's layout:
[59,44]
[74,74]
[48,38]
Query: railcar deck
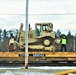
[40,58]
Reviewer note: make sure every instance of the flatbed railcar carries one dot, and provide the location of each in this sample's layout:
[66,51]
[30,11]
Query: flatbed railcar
[42,49]
[38,58]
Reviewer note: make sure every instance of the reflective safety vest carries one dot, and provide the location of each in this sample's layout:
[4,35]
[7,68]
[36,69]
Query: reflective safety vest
[63,41]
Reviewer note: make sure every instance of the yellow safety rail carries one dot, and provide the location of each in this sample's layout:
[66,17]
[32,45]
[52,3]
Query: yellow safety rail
[73,71]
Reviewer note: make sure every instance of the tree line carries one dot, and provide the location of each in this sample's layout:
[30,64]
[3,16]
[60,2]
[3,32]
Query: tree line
[5,36]
[68,35]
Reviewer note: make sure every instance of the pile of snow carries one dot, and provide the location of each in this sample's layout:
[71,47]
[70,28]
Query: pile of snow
[8,73]
[33,73]
[56,67]
[26,73]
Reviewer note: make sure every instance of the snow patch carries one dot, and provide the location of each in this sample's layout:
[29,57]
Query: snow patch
[8,73]
[46,67]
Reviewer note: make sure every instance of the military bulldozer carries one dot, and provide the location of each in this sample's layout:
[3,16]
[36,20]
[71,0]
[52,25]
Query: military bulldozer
[42,38]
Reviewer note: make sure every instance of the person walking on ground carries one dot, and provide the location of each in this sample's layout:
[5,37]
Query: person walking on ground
[63,43]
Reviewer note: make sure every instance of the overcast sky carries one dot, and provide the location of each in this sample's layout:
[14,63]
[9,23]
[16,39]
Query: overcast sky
[62,13]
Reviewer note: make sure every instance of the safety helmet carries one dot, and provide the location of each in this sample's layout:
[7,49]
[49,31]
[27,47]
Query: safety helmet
[63,36]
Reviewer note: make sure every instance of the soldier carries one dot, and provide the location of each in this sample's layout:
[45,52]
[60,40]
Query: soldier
[63,43]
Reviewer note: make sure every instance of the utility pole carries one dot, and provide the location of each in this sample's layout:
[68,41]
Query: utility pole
[26,38]
[74,45]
